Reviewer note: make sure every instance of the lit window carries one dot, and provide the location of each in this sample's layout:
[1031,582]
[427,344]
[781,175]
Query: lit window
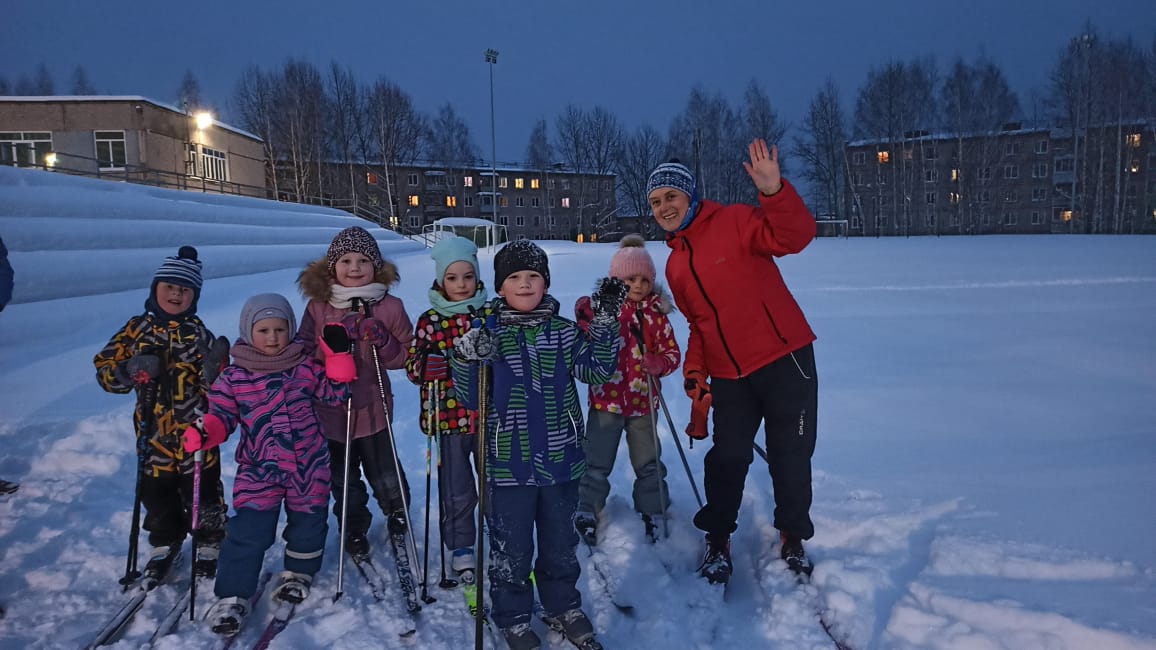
[1135,168]
[953,197]
[468,181]
[565,201]
[211,164]
[503,182]
[451,201]
[955,175]
[534,183]
[370,178]
[1066,215]
[413,200]
[1133,139]
[884,157]
[519,184]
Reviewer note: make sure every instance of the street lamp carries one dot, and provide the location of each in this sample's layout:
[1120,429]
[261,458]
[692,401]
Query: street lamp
[492,59]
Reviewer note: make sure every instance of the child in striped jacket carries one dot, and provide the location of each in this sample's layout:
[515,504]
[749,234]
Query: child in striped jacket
[282,457]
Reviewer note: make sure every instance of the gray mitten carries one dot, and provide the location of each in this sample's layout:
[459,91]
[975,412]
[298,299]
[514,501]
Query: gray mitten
[607,300]
[477,345]
[216,357]
[143,368]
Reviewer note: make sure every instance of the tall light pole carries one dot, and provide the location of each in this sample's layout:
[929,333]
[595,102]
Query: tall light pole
[492,59]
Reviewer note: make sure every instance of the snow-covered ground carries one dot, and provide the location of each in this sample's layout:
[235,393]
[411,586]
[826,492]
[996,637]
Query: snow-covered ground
[984,475]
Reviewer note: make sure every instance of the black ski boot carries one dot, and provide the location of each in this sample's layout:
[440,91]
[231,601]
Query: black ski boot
[205,565]
[793,554]
[521,637]
[575,626]
[586,523]
[397,523]
[160,563]
[357,545]
[716,562]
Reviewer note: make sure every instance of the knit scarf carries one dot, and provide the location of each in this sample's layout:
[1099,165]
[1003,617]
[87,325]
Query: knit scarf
[545,310]
[253,360]
[447,307]
[341,296]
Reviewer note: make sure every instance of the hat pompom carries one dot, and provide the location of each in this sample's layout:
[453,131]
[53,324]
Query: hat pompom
[633,240]
[188,253]
[631,259]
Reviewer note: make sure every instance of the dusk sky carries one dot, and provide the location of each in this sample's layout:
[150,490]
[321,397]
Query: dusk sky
[637,59]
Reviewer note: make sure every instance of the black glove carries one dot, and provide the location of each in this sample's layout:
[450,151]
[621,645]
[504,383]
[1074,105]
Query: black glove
[143,368]
[477,345]
[607,300]
[216,358]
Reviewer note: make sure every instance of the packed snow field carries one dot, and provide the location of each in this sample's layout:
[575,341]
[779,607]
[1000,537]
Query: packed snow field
[983,478]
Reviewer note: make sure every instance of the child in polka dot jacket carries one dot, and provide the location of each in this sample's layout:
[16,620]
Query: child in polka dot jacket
[457,297]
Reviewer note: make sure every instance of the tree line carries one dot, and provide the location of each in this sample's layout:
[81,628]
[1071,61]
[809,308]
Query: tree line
[308,116]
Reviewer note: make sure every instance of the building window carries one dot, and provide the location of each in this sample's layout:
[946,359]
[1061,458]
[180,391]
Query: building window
[1132,139]
[504,202]
[1135,168]
[211,164]
[503,220]
[1065,164]
[1039,194]
[1042,146]
[953,197]
[1040,170]
[503,182]
[535,202]
[1036,217]
[451,201]
[1011,196]
[929,220]
[931,175]
[551,183]
[955,175]
[414,220]
[413,181]
[520,221]
[606,184]
[537,220]
[859,157]
[370,178]
[929,198]
[565,201]
[953,219]
[881,178]
[519,202]
[884,157]
[535,183]
[110,149]
[984,174]
[983,196]
[469,202]
[856,178]
[467,181]
[24,148]
[565,183]
[519,183]
[931,152]
[414,201]
[1009,218]
[1011,171]
[986,219]
[1011,149]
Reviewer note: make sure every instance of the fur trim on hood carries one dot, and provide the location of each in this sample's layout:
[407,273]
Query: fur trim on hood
[664,304]
[315,280]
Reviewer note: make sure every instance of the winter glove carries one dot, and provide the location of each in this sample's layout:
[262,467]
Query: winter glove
[583,313]
[336,344]
[477,345]
[216,358]
[697,388]
[373,332]
[653,364]
[143,368]
[207,432]
[436,368]
[607,299]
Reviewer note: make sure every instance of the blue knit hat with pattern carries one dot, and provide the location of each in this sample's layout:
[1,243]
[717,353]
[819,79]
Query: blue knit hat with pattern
[184,270]
[671,174]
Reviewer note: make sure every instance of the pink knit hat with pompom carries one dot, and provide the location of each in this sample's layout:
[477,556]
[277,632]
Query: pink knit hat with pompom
[632,259]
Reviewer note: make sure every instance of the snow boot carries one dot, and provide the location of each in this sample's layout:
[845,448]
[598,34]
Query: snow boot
[793,554]
[205,566]
[227,615]
[651,528]
[397,522]
[160,563]
[572,624]
[521,637]
[294,587]
[586,523]
[463,560]
[716,564]
[357,545]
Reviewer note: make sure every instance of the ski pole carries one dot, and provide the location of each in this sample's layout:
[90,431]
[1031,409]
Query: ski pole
[446,583]
[678,443]
[428,460]
[344,498]
[146,405]
[651,380]
[396,462]
[759,451]
[198,462]
[483,406]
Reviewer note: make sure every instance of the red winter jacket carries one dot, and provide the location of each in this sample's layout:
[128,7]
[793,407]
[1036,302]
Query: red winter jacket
[724,279]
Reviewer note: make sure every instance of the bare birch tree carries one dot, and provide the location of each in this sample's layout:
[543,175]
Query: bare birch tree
[821,150]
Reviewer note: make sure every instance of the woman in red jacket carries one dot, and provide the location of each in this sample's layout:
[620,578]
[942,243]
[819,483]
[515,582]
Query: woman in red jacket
[750,339]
